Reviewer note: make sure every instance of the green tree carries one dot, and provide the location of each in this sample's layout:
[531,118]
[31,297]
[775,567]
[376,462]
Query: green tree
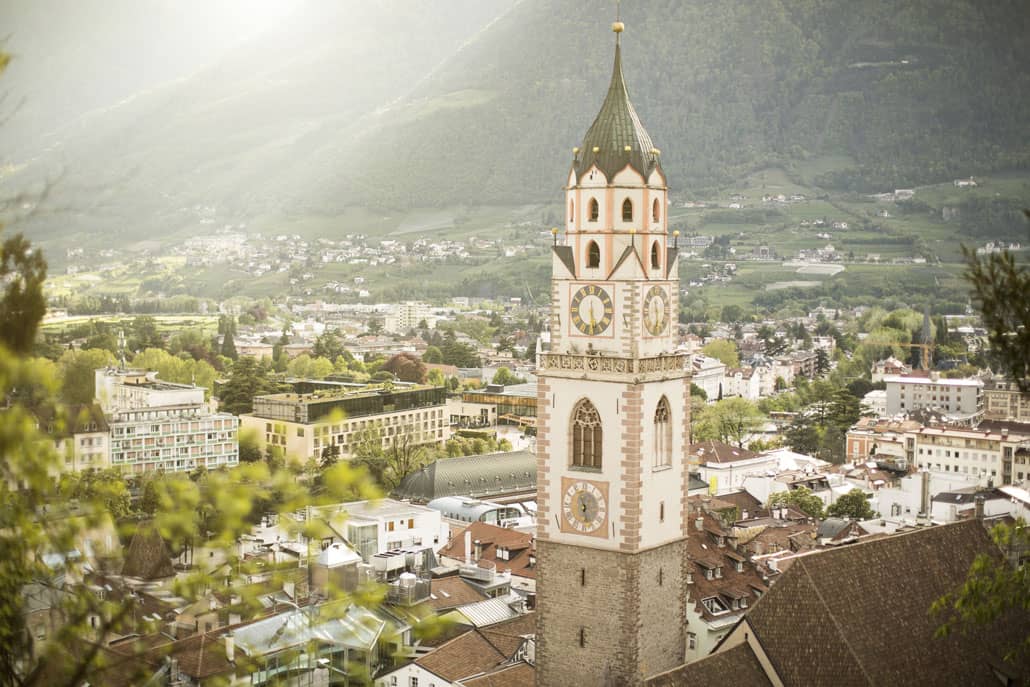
[78,373]
[22,273]
[724,350]
[853,505]
[328,345]
[698,392]
[247,378]
[1001,292]
[802,435]
[143,333]
[229,345]
[432,355]
[801,498]
[306,367]
[436,378]
[506,377]
[250,446]
[731,313]
[730,420]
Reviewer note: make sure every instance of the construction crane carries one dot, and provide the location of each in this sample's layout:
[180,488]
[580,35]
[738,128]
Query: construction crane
[925,351]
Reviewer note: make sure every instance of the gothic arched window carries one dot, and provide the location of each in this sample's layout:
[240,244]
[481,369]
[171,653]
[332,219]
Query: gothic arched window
[627,210]
[593,254]
[662,435]
[572,210]
[595,209]
[586,435]
[656,211]
[655,261]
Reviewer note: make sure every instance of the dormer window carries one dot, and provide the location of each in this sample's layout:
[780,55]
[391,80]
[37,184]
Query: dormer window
[627,210]
[595,209]
[593,255]
[739,565]
[718,572]
[714,605]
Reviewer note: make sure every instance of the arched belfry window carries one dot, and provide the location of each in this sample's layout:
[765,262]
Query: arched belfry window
[655,258]
[593,254]
[572,210]
[595,209]
[662,435]
[656,211]
[627,210]
[586,435]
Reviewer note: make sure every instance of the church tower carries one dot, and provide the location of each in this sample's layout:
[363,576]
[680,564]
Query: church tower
[613,418]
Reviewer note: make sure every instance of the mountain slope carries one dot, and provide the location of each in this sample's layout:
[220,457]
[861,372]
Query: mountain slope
[914,94]
[403,104]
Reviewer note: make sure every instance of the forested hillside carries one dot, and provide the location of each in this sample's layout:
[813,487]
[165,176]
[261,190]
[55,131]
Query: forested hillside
[400,105]
[913,92]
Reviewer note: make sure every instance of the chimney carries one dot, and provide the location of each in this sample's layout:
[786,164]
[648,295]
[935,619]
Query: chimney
[230,647]
[699,523]
[468,547]
[979,501]
[479,550]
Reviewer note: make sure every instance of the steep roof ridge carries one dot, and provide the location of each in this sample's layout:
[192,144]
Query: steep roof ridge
[836,623]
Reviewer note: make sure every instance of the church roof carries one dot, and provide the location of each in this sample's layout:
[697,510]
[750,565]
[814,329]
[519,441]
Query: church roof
[617,134]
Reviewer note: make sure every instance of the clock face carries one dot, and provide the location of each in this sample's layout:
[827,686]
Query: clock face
[656,311]
[591,309]
[584,506]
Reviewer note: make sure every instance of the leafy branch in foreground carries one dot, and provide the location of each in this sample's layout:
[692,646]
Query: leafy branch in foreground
[1001,292]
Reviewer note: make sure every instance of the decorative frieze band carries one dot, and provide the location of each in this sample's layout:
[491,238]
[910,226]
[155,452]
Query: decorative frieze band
[618,365]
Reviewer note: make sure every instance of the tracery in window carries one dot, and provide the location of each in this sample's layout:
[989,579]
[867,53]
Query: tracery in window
[662,435]
[586,435]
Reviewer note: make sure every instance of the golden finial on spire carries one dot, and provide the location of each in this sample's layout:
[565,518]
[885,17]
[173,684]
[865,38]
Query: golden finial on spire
[617,25]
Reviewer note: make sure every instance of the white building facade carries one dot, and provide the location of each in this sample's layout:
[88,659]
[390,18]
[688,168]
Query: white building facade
[158,425]
[960,398]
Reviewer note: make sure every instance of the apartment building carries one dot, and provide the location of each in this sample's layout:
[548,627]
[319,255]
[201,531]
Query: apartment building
[993,456]
[303,425]
[1004,401]
[80,435]
[157,425]
[960,398]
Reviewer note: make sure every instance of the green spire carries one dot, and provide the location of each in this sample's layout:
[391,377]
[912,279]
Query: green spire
[617,138]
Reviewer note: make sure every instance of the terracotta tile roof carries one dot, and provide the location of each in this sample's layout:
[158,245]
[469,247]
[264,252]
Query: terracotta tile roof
[718,452]
[736,667]
[451,592]
[524,624]
[743,501]
[868,605]
[706,558]
[520,546]
[518,675]
[466,655]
